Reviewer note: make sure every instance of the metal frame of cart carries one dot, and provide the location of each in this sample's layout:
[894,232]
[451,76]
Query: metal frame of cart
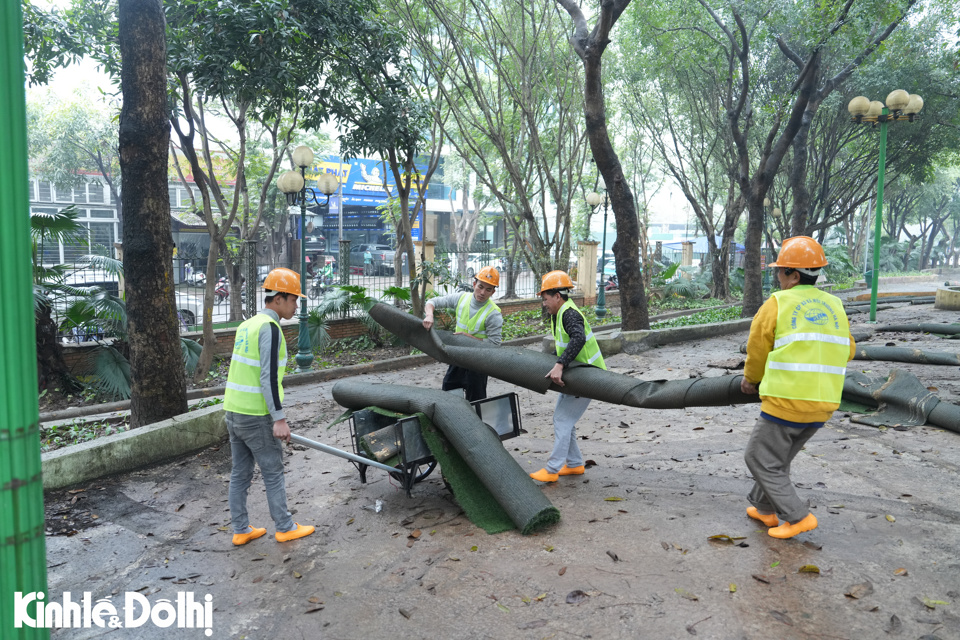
[500,413]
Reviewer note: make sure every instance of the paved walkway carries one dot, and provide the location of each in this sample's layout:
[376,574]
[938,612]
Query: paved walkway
[631,553]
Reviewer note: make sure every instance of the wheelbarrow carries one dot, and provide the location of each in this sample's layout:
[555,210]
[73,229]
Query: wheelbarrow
[398,439]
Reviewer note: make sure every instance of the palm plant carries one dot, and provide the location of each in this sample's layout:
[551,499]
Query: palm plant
[87,311]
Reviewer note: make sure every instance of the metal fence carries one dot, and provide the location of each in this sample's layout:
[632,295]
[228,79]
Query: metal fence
[451,271]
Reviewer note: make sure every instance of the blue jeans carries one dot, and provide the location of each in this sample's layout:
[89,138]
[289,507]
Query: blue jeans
[252,441]
[569,409]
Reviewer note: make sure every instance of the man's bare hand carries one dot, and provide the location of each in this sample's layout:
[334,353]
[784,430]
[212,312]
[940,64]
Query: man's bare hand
[281,430]
[748,387]
[428,321]
[556,374]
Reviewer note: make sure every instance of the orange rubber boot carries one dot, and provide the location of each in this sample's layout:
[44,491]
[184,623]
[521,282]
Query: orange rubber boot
[787,530]
[571,471]
[300,532]
[545,476]
[244,538]
[769,519]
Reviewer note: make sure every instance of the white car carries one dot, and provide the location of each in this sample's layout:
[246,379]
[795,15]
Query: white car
[189,310]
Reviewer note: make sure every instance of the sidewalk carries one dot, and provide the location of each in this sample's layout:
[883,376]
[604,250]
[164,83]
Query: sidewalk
[886,500]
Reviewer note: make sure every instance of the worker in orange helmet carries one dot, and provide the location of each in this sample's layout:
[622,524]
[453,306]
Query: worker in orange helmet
[797,354]
[477,317]
[575,343]
[253,403]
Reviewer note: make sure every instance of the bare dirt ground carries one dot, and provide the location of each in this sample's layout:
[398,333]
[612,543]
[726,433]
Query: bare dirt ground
[641,565]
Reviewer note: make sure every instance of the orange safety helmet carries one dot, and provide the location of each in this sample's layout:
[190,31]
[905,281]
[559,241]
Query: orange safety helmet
[555,280]
[283,280]
[489,275]
[800,252]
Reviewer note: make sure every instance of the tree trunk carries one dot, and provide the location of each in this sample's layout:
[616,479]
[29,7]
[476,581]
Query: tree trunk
[798,174]
[753,275]
[205,361]
[156,362]
[626,249]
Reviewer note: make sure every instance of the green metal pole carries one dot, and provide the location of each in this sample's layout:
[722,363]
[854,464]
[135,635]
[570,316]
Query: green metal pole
[878,225]
[23,564]
[304,353]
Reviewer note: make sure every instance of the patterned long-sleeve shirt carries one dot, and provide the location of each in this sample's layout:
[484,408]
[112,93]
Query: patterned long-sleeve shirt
[573,325]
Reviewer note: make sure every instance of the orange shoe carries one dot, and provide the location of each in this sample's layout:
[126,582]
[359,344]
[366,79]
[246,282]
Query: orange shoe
[571,471]
[244,538]
[545,476]
[787,530]
[769,519]
[300,532]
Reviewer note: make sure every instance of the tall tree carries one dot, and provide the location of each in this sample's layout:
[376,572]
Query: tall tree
[513,95]
[156,361]
[590,45]
[71,139]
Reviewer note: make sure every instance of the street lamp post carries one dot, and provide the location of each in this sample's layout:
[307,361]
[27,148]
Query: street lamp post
[900,106]
[294,185]
[594,199]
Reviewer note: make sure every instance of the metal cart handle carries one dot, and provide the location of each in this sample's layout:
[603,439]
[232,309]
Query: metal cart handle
[340,453]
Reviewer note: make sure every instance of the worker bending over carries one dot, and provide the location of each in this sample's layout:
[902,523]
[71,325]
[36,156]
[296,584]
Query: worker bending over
[575,343]
[797,356]
[478,318]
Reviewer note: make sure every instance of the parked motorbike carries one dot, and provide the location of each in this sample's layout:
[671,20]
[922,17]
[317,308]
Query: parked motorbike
[611,284]
[320,285]
[222,292]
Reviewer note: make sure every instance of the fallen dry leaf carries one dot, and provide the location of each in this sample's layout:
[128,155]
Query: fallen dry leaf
[180,507]
[932,604]
[894,626]
[257,579]
[613,556]
[900,572]
[414,534]
[314,609]
[890,518]
[683,593]
[405,613]
[613,499]
[562,571]
[733,588]
[314,600]
[809,568]
[576,597]
[722,537]
[297,575]
[533,624]
[857,591]
[782,617]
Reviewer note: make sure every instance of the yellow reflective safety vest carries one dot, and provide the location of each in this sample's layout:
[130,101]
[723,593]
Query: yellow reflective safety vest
[243,394]
[475,326]
[810,349]
[590,354]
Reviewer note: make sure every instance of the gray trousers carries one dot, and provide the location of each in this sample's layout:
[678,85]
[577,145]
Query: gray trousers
[252,441]
[771,449]
[565,416]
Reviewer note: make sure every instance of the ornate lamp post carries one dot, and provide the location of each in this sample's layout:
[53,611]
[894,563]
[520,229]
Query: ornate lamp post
[294,185]
[900,106]
[594,199]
